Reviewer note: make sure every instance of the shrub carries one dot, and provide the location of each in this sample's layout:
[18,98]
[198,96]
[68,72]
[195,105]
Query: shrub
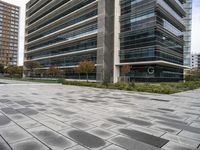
[163,88]
[122,86]
[61,80]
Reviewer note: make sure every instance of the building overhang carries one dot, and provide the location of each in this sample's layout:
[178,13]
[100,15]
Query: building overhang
[159,62]
[65,54]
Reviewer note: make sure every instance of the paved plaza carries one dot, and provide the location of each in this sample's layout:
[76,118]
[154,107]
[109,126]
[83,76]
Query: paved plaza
[51,116]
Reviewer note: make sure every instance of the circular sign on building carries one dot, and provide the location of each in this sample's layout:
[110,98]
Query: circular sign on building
[151,70]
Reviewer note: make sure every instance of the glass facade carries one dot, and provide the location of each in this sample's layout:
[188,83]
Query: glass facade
[155,73]
[149,34]
[58,15]
[59,41]
[65,37]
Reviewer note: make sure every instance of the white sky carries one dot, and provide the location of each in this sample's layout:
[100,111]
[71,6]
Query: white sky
[195,26]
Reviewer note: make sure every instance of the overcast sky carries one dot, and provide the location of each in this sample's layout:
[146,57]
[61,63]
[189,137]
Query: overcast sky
[195,26]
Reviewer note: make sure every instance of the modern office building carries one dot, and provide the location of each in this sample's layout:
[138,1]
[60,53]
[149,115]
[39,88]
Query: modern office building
[195,60]
[147,35]
[187,35]
[9,29]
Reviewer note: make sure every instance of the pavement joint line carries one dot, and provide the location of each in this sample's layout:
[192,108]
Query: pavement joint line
[6,142]
[198,146]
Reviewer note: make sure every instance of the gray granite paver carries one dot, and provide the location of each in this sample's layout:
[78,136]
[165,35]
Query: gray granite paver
[29,124]
[175,146]
[51,138]
[78,147]
[48,113]
[191,135]
[30,144]
[113,147]
[131,144]
[102,133]
[182,140]
[14,134]
[54,124]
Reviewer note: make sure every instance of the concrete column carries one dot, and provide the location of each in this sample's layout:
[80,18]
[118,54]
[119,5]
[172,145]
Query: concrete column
[105,40]
[116,70]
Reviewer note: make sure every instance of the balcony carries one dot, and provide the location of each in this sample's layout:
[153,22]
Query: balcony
[71,40]
[177,4]
[78,25]
[65,54]
[164,8]
[51,16]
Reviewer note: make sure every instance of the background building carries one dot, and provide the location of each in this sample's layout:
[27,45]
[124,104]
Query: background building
[9,28]
[195,59]
[187,35]
[148,35]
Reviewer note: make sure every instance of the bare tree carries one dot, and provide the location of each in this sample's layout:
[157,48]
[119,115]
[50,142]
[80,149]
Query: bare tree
[14,71]
[54,71]
[32,66]
[125,70]
[78,71]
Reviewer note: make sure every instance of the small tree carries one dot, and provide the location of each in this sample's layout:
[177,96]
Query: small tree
[54,71]
[40,73]
[78,71]
[192,74]
[11,70]
[32,65]
[19,71]
[125,70]
[1,68]
[86,67]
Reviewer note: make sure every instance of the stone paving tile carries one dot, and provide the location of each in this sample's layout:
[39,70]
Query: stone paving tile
[181,126]
[29,124]
[27,111]
[136,121]
[79,118]
[81,125]
[54,124]
[9,111]
[182,140]
[30,144]
[51,138]
[165,128]
[175,146]
[14,134]
[102,133]
[103,124]
[131,144]
[144,137]
[195,124]
[113,147]
[78,147]
[19,118]
[5,121]
[85,139]
[191,135]
[151,131]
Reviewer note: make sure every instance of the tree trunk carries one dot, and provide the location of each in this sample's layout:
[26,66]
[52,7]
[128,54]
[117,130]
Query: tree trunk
[87,77]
